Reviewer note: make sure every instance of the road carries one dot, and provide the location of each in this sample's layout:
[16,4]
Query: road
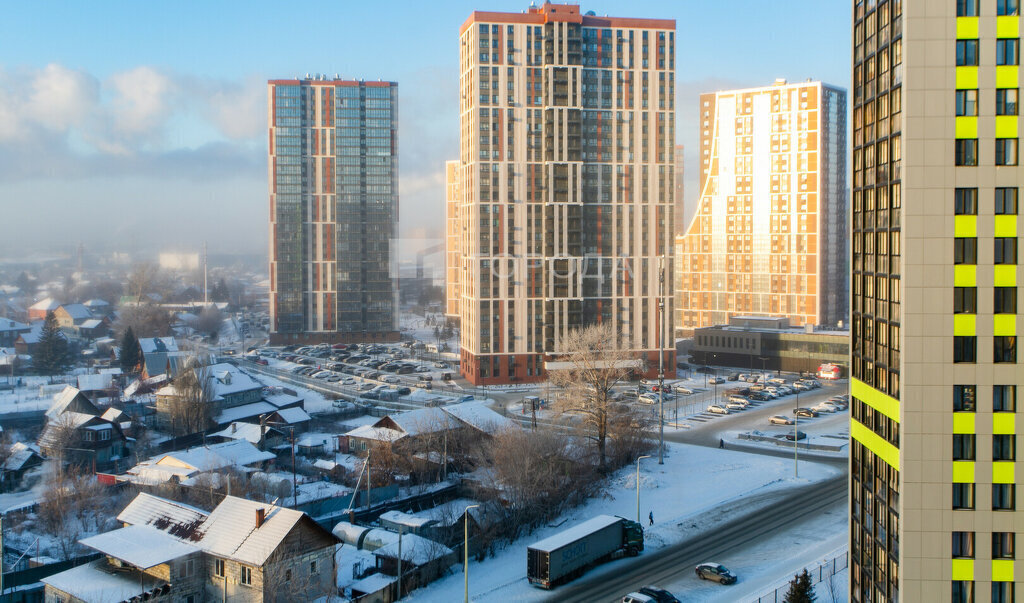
[746,530]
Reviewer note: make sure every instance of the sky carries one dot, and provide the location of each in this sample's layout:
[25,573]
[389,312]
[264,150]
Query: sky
[142,126]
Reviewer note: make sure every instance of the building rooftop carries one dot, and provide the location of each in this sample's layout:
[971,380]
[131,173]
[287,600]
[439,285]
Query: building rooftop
[140,545]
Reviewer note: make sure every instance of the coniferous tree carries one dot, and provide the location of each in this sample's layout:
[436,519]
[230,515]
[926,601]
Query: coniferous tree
[51,354]
[800,589]
[129,350]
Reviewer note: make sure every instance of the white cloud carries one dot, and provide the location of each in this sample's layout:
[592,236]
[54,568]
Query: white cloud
[142,101]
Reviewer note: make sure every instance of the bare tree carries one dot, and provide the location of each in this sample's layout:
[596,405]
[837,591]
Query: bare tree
[146,320]
[143,279]
[595,361]
[190,406]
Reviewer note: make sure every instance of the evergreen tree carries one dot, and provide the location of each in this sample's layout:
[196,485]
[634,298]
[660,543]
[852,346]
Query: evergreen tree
[129,350]
[800,589]
[51,355]
[220,292]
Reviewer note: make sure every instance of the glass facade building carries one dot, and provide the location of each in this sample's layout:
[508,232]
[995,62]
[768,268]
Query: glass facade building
[333,179]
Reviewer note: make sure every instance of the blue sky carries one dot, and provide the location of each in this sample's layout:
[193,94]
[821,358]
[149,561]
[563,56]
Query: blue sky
[115,116]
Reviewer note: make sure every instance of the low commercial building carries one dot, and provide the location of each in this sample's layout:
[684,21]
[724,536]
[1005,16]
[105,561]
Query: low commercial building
[768,343]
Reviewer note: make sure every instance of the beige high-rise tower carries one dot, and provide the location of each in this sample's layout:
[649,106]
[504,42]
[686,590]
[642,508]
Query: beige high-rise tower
[768,233]
[453,230]
[935,369]
[566,184]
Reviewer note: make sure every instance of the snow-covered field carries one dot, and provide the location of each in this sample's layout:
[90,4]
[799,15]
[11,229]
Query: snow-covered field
[687,494]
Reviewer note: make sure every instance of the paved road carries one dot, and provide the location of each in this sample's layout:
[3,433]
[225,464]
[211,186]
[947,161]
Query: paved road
[668,564]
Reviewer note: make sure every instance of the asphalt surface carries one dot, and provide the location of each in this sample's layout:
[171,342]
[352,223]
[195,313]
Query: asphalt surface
[746,530]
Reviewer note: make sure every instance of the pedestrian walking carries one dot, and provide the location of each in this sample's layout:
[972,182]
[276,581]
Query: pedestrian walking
[721,443]
[651,517]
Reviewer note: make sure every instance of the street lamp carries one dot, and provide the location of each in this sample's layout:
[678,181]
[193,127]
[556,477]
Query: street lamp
[465,548]
[643,456]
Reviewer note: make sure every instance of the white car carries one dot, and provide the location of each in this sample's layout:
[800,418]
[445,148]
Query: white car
[679,389]
[736,405]
[824,407]
[779,420]
[647,399]
[348,381]
[390,379]
[718,409]
[716,380]
[739,399]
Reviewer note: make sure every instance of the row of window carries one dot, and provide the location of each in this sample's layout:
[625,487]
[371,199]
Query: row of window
[1004,349]
[1004,447]
[1003,497]
[963,592]
[1007,52]
[1004,250]
[967,101]
[965,201]
[965,151]
[965,300]
[1004,398]
[969,8]
[1002,545]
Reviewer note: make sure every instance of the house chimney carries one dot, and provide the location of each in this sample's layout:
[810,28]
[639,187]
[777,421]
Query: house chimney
[261,516]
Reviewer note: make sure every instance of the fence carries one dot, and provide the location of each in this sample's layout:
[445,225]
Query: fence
[822,572]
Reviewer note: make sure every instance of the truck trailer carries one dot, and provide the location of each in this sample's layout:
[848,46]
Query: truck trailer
[566,555]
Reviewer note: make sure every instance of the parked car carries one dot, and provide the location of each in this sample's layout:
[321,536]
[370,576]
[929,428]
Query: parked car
[759,396]
[389,379]
[638,597]
[805,412]
[679,389]
[404,391]
[647,399]
[718,409]
[731,405]
[799,436]
[441,365]
[716,380]
[334,379]
[824,407]
[779,420]
[422,369]
[658,594]
[348,381]
[717,572]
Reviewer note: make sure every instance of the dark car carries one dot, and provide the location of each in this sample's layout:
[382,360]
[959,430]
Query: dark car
[404,391]
[799,436]
[370,395]
[760,397]
[658,594]
[717,572]
[805,412]
[404,370]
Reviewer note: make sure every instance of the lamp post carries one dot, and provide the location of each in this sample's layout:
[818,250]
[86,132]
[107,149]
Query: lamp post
[643,456]
[465,549]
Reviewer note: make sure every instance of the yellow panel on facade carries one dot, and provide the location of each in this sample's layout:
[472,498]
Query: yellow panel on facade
[887,405]
[1006,76]
[965,226]
[963,569]
[1004,275]
[966,28]
[1007,27]
[965,325]
[967,77]
[1004,423]
[965,276]
[963,472]
[967,127]
[963,422]
[874,442]
[1004,324]
[1006,226]
[1006,126]
[1002,472]
[1002,570]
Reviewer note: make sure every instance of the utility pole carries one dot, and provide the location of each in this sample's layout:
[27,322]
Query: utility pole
[399,562]
[206,286]
[661,361]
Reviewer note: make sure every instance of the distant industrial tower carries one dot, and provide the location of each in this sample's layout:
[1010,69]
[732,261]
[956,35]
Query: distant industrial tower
[769,233]
[333,179]
[566,185]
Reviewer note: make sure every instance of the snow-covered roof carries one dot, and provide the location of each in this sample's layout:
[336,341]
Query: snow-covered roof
[95,382]
[46,305]
[423,420]
[250,432]
[415,550]
[280,399]
[379,434]
[245,411]
[293,415]
[77,311]
[555,542]
[67,396]
[115,370]
[21,453]
[175,518]
[230,531]
[90,583]
[140,545]
[95,303]
[373,583]
[228,379]
[450,513]
[6,324]
[92,323]
[314,491]
[158,344]
[114,415]
[405,519]
[215,456]
[478,416]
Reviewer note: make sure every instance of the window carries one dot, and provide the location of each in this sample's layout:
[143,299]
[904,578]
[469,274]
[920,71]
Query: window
[965,300]
[1002,545]
[187,569]
[1005,8]
[963,496]
[966,52]
[965,348]
[1002,592]
[1006,201]
[965,250]
[963,447]
[966,102]
[245,575]
[964,398]
[1004,348]
[967,8]
[1007,51]
[312,568]
[1003,447]
[965,201]
[218,568]
[966,151]
[963,591]
[1005,250]
[963,544]
[1004,398]
[1006,101]
[1006,151]
[288,575]
[1005,300]
[1004,497]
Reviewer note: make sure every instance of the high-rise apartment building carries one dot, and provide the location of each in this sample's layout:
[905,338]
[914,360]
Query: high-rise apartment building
[935,369]
[566,182]
[333,179]
[768,235]
[453,230]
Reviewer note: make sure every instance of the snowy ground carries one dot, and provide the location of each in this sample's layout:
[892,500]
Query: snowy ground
[691,488]
[313,401]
